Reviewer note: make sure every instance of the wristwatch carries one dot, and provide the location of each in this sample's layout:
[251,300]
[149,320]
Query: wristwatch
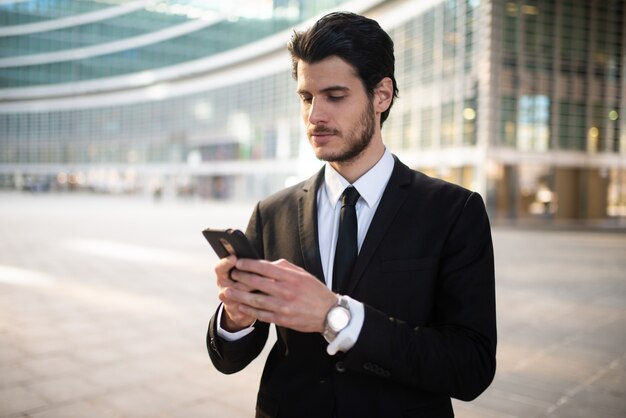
[337,319]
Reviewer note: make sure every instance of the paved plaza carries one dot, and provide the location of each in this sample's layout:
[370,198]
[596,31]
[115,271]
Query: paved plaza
[104,302]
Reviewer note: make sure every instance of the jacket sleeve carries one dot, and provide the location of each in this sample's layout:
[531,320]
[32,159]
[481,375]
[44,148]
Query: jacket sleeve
[455,354]
[232,356]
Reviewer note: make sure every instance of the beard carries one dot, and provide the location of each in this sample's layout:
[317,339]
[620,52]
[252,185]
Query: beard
[356,141]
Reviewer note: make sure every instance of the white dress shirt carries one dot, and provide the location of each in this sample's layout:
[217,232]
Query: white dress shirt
[370,186]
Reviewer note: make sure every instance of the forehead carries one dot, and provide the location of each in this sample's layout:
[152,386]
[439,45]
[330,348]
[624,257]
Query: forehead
[331,71]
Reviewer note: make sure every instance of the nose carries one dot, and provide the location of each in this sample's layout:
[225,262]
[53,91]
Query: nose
[317,112]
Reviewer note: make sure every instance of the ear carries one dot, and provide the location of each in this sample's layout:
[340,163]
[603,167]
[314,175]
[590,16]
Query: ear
[383,94]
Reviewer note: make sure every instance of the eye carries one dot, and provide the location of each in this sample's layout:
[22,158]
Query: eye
[305,98]
[335,98]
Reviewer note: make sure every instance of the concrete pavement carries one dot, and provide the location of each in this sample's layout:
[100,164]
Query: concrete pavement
[104,302]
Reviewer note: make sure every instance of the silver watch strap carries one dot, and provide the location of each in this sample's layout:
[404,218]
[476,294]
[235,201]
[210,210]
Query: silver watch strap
[330,334]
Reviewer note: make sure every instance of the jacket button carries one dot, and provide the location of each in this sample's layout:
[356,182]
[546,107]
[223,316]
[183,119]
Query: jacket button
[340,367]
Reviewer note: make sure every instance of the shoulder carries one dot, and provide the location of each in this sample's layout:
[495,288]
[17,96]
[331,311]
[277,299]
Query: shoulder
[289,197]
[428,188]
[445,206]
[284,196]
[435,199]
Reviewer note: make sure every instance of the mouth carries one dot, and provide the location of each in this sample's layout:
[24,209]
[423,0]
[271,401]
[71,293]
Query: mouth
[322,134]
[320,139]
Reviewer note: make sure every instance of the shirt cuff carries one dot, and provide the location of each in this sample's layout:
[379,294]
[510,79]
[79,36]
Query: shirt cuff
[346,339]
[230,336]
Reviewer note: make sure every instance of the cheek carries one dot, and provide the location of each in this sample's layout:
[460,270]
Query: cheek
[304,114]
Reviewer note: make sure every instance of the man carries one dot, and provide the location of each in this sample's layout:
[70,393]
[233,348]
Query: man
[411,321]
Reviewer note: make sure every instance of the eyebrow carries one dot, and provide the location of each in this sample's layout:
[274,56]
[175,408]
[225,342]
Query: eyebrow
[327,89]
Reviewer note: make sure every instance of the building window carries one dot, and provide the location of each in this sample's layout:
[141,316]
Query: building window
[533,122]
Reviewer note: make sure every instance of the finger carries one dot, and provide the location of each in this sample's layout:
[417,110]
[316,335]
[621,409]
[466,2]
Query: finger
[225,296]
[287,265]
[224,281]
[256,282]
[275,270]
[225,269]
[256,300]
[259,314]
[236,317]
[285,284]
[224,265]
[237,284]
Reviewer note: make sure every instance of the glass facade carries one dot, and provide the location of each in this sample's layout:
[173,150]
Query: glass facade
[561,65]
[520,100]
[162,34]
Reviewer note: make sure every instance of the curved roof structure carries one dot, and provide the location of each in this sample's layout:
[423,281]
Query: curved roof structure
[125,46]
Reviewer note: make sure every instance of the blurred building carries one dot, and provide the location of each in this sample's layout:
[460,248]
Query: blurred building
[521,100]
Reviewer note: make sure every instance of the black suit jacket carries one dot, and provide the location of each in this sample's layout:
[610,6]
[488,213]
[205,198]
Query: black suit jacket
[425,275]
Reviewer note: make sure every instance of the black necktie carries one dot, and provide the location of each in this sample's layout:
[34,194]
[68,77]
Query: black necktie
[347,247]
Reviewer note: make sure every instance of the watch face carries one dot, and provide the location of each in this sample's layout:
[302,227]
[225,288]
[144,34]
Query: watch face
[338,318]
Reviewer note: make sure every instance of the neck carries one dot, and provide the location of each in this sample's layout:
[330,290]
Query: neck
[352,170]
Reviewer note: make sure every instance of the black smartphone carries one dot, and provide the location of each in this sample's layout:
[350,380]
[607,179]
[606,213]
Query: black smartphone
[227,242]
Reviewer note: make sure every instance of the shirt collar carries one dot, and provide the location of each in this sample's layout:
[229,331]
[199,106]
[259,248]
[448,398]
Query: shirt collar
[370,185]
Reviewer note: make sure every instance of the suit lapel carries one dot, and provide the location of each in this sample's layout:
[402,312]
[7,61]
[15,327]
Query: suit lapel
[307,223]
[393,197]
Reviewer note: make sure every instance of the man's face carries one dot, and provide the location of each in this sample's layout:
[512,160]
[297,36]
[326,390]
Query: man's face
[336,110]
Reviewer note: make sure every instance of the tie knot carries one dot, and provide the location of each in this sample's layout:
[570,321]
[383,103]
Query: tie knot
[350,196]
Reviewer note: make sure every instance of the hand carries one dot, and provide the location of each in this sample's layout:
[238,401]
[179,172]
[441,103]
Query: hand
[291,297]
[232,318]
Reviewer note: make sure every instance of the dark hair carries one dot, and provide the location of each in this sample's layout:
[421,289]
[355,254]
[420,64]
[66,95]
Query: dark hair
[359,41]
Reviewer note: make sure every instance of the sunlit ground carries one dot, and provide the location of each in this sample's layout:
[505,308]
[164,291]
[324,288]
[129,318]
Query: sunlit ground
[104,302]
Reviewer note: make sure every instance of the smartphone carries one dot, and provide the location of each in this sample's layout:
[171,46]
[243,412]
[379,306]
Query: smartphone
[227,242]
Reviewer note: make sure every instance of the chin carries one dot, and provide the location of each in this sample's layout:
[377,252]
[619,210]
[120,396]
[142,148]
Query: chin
[325,154]
[328,156]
